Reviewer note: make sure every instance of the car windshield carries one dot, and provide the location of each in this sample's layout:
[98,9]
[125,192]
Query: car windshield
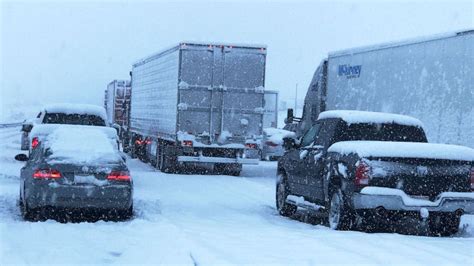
[73,119]
[382,132]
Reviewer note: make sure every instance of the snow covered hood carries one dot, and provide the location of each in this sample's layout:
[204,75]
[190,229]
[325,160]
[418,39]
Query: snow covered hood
[81,109]
[404,150]
[352,117]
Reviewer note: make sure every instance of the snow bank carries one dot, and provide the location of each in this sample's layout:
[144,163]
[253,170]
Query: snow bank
[351,117]
[81,109]
[81,145]
[277,135]
[404,150]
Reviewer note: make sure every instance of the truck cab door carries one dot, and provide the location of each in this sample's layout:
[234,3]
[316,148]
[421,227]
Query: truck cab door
[298,160]
[316,162]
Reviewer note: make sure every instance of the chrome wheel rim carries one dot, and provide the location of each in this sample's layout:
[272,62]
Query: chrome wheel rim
[280,196]
[335,210]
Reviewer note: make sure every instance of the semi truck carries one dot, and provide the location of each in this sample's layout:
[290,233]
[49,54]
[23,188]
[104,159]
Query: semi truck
[429,78]
[198,105]
[117,102]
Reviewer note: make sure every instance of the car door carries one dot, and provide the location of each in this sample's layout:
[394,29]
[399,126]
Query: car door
[316,159]
[297,162]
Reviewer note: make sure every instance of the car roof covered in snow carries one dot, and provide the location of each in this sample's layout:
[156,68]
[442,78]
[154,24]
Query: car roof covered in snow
[42,130]
[81,145]
[354,117]
[81,109]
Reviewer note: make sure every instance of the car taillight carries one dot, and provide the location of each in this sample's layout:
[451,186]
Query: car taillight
[187,143]
[269,143]
[34,142]
[472,179]
[362,175]
[250,145]
[46,174]
[119,176]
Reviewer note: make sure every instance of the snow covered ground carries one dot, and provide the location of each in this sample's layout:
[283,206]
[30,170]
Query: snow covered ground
[204,220]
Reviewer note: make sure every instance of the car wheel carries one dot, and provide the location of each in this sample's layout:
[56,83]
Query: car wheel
[340,216]
[284,208]
[444,224]
[27,213]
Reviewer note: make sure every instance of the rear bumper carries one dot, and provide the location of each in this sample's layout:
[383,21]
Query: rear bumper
[397,200]
[205,159]
[62,196]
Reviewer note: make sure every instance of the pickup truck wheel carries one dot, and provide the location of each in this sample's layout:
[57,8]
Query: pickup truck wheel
[444,224]
[340,217]
[284,208]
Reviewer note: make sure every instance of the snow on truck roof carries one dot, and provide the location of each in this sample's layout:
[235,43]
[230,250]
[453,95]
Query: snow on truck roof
[411,41]
[82,109]
[353,117]
[191,43]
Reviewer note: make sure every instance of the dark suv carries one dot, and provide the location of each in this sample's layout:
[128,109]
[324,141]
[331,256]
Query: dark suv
[365,167]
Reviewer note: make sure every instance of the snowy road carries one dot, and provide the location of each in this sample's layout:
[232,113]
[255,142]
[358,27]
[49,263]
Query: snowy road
[203,220]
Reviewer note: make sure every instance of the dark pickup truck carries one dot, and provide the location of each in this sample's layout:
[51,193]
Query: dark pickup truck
[366,168]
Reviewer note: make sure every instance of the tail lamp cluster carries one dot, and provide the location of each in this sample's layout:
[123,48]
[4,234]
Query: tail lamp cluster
[362,174]
[55,174]
[250,145]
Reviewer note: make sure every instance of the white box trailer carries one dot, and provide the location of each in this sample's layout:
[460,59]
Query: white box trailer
[428,78]
[270,116]
[199,103]
[117,102]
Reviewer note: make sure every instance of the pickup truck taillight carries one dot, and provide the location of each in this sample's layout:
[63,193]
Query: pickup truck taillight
[271,144]
[362,174]
[187,143]
[46,174]
[472,179]
[34,142]
[119,176]
[250,145]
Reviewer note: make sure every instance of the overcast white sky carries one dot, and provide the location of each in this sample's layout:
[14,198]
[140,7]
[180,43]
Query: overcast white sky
[54,52]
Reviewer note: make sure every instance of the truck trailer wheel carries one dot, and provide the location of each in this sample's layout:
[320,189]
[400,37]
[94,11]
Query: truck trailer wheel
[444,224]
[228,169]
[165,161]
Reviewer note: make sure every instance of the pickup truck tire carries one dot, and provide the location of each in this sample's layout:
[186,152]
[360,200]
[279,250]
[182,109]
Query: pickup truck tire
[444,224]
[284,208]
[340,215]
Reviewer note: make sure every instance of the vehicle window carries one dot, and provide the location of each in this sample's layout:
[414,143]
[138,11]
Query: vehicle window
[381,132]
[308,138]
[73,119]
[326,135]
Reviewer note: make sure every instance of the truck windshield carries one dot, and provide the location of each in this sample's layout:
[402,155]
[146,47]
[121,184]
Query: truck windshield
[382,132]
[73,119]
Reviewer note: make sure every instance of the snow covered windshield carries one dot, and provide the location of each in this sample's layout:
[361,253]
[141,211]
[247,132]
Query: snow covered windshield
[381,132]
[73,119]
[81,145]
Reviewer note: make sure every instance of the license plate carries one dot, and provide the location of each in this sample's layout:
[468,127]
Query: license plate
[420,197]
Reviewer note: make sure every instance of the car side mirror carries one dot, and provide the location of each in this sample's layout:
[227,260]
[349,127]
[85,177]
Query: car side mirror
[289,143]
[21,157]
[26,127]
